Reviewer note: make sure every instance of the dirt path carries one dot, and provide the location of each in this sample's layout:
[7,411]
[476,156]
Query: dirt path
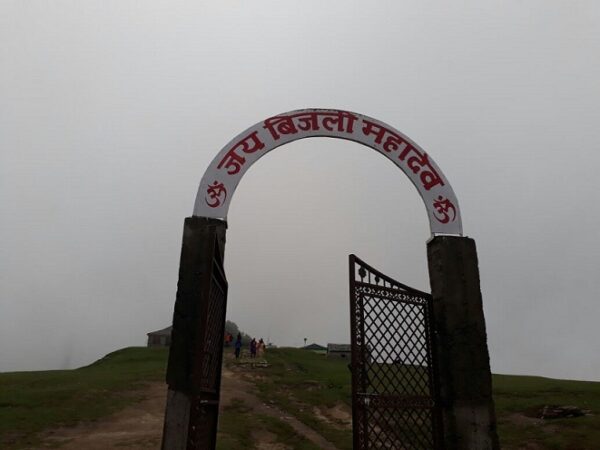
[139,426]
[233,387]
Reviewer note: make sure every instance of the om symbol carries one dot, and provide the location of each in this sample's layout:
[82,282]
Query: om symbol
[445,210]
[216,193]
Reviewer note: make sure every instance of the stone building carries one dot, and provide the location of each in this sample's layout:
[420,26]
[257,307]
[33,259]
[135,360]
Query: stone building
[339,351]
[160,338]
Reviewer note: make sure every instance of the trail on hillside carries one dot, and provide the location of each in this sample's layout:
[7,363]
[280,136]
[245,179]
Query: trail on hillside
[139,426]
[233,387]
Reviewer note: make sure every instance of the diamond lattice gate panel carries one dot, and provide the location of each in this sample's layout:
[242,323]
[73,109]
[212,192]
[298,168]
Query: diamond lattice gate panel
[204,411]
[393,388]
[207,378]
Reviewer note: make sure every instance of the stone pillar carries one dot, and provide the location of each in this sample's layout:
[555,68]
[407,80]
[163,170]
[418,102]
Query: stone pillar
[460,346]
[192,408]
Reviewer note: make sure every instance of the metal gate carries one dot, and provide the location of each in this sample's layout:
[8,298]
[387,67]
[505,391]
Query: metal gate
[393,383]
[206,377]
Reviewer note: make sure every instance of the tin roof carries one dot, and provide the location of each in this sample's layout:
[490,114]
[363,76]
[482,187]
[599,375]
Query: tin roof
[163,332]
[339,347]
[314,346]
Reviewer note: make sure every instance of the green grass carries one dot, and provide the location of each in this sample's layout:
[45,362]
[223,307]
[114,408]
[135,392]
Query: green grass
[297,381]
[238,425]
[33,401]
[517,396]
[300,380]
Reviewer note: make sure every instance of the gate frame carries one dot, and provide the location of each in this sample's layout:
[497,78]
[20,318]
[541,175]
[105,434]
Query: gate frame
[460,341]
[189,403]
[436,416]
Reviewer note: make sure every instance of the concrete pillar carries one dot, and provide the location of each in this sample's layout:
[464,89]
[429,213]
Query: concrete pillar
[192,404]
[460,346]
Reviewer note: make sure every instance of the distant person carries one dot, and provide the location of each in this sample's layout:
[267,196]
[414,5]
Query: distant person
[238,346]
[261,348]
[253,344]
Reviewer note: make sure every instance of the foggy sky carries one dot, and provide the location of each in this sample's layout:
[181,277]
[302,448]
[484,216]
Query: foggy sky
[111,111]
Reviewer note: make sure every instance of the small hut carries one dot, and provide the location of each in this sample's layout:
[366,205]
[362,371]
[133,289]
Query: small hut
[160,338]
[339,351]
[315,348]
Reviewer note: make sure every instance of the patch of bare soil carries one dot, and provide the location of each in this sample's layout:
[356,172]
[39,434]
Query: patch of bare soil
[265,440]
[528,446]
[522,419]
[139,426]
[525,420]
[338,416]
[234,386]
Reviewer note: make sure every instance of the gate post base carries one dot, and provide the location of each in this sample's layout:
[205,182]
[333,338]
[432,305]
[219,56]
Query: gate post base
[176,422]
[460,346]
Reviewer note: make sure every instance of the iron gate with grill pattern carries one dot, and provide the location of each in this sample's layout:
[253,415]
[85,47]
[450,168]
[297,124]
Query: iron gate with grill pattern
[393,383]
[204,411]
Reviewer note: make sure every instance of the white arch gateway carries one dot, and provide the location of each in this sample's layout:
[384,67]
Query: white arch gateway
[437,389]
[229,166]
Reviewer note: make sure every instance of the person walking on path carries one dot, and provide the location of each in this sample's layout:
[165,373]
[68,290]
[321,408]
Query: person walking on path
[260,349]
[238,346]
[253,348]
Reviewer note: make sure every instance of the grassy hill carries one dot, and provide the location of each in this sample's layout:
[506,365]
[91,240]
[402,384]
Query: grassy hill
[301,383]
[33,401]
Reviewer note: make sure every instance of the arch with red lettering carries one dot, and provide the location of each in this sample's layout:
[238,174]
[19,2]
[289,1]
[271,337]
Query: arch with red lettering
[227,169]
